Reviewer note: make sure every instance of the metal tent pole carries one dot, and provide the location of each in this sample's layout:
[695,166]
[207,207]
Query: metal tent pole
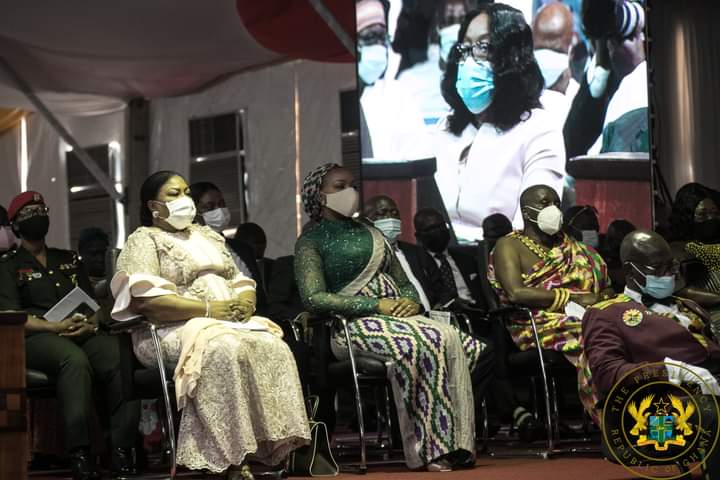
[86,160]
[332,22]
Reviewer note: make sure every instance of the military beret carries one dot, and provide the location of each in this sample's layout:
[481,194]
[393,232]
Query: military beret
[21,200]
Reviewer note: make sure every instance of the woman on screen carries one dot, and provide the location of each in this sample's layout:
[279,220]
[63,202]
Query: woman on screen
[493,84]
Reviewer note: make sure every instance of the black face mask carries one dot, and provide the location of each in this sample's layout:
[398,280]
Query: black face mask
[707,231]
[34,228]
[436,241]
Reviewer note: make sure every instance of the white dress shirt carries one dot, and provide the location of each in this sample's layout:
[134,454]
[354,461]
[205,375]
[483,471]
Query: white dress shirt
[411,276]
[660,308]
[395,124]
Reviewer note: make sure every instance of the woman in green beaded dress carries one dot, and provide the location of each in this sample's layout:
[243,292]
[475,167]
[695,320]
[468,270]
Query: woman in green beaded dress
[345,267]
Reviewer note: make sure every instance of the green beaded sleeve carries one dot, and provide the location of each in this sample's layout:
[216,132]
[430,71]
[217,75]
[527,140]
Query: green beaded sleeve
[313,289]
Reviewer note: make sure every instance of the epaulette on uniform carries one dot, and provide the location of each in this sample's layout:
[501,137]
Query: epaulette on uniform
[70,255]
[7,255]
[621,298]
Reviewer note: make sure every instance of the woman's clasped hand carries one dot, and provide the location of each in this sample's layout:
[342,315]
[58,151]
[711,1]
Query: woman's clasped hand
[403,307]
[235,310]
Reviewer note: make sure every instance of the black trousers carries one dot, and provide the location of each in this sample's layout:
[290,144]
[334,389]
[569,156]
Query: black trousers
[502,393]
[484,374]
[78,365]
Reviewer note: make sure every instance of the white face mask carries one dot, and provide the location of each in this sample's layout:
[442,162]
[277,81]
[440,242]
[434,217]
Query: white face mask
[345,202]
[390,227]
[217,219]
[7,239]
[549,219]
[552,65]
[448,38]
[181,213]
[591,238]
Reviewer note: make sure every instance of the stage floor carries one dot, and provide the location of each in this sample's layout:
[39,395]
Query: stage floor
[487,468]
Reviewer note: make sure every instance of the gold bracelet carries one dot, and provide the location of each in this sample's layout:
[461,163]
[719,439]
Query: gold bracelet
[565,299]
[556,300]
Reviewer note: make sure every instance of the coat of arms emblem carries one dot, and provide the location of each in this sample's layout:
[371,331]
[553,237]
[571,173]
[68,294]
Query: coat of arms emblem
[664,425]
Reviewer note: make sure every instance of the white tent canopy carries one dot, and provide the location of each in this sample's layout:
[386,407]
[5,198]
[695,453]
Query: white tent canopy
[85,59]
[122,50]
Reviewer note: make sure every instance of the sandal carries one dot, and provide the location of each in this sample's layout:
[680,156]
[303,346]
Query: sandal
[439,465]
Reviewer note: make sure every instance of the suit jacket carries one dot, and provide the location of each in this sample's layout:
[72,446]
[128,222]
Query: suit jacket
[247,255]
[427,272]
[283,298]
[468,266]
[616,343]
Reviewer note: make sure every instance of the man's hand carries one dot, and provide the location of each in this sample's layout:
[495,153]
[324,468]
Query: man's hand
[585,299]
[75,326]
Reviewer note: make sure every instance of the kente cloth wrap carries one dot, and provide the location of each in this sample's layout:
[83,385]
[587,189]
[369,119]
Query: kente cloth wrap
[430,362]
[572,265]
[311,190]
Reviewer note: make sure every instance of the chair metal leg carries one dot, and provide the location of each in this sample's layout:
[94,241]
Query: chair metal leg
[358,399]
[534,398]
[166,399]
[388,416]
[468,324]
[548,414]
[378,416]
[555,409]
[485,425]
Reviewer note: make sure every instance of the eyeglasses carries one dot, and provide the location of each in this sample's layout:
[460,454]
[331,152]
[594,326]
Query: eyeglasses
[373,37]
[442,227]
[479,50]
[667,268]
[31,211]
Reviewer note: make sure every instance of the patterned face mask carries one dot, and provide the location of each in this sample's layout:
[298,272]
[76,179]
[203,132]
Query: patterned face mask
[312,202]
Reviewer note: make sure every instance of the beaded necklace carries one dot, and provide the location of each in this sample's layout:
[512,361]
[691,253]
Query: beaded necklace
[533,246]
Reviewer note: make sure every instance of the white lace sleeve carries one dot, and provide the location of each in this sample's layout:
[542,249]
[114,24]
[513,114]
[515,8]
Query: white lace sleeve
[137,275]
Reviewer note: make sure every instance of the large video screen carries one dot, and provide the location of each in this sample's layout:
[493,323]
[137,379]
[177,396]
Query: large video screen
[505,96]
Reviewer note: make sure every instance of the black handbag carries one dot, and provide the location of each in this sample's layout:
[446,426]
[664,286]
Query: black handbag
[314,460]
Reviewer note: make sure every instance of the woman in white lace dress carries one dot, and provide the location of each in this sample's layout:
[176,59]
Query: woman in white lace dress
[236,380]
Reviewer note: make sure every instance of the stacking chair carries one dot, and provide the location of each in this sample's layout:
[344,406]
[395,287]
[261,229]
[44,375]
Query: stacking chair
[356,371]
[154,382]
[543,366]
[360,370]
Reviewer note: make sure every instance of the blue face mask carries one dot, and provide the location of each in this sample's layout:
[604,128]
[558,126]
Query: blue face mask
[448,38]
[475,84]
[655,286]
[390,227]
[373,63]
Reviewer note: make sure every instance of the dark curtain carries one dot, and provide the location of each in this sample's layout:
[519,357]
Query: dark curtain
[685,70]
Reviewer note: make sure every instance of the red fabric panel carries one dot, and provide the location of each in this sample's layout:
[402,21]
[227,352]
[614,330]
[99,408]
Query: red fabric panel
[293,27]
[614,199]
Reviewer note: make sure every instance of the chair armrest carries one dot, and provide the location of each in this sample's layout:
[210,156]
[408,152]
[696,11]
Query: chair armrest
[505,309]
[126,326]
